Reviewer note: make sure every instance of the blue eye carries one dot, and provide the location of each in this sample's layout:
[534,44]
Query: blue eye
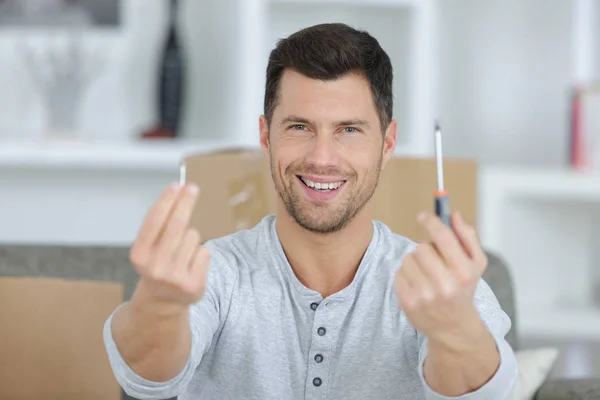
[298,127]
[350,129]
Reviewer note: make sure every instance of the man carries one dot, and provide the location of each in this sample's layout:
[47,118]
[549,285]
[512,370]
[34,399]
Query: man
[318,301]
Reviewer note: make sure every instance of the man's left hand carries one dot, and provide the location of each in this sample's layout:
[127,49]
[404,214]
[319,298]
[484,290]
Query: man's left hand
[436,283]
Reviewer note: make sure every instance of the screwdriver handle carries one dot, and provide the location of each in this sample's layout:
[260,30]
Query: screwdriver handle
[442,206]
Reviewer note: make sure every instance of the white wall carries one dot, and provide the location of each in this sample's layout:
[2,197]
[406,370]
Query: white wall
[505,75]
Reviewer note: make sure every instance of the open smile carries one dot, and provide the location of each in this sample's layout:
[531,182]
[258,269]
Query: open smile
[321,186]
[321,189]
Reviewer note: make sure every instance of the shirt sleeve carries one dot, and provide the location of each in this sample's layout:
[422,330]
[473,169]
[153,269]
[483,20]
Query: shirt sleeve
[206,316]
[501,385]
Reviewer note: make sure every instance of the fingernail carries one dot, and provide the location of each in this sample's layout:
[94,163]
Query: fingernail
[193,189]
[175,186]
[422,216]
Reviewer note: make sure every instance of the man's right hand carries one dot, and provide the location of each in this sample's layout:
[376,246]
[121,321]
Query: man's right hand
[167,254]
[152,332]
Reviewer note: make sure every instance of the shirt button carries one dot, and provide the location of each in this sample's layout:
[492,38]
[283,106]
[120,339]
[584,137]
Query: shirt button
[317,382]
[314,306]
[321,331]
[318,358]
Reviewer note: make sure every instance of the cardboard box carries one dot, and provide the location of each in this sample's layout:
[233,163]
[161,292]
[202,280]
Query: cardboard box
[237,191]
[51,341]
[407,186]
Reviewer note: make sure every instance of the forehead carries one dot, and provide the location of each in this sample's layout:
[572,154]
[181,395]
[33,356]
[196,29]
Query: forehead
[348,96]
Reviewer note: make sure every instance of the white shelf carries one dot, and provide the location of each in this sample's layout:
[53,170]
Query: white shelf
[575,323]
[155,155]
[365,3]
[544,184]
[541,221]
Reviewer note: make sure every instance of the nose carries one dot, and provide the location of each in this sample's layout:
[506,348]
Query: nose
[323,151]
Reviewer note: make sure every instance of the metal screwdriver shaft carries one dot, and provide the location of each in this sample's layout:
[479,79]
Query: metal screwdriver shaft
[442,201]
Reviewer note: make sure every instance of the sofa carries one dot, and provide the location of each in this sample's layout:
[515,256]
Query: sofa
[497,275]
[112,264]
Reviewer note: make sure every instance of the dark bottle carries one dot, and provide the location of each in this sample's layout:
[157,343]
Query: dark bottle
[171,93]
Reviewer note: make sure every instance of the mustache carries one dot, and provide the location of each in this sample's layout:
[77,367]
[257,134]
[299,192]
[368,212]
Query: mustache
[318,170]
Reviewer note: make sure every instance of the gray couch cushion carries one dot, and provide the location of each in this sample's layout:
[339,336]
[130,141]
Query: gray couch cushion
[74,262]
[569,389]
[498,278]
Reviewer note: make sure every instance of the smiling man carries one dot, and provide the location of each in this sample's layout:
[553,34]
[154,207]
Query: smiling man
[318,301]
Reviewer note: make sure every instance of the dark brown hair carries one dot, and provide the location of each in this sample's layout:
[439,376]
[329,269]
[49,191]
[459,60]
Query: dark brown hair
[328,52]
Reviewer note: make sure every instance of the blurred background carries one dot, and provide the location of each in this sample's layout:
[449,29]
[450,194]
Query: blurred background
[100,100]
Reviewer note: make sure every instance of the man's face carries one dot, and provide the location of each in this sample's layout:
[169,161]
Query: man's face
[326,148]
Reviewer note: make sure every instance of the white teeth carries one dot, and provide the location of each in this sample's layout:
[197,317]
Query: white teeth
[322,185]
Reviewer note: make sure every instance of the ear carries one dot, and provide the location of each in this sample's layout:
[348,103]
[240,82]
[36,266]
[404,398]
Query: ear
[263,127]
[389,142]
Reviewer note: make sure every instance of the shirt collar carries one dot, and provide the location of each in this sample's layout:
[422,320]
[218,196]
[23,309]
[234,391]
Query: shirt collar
[300,288]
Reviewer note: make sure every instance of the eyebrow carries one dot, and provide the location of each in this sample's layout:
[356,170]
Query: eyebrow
[296,120]
[348,122]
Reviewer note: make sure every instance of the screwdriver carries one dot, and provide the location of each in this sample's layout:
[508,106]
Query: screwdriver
[442,201]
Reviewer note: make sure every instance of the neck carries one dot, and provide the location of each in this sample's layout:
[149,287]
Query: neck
[325,263]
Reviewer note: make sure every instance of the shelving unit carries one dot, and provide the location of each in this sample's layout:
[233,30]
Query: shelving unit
[86,193]
[543,223]
[227,48]
[77,207]
[57,184]
[136,157]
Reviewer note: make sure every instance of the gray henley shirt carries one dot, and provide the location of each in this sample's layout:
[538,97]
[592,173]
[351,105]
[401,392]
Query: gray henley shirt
[260,334]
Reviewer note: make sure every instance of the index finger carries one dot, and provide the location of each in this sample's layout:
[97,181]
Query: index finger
[157,217]
[445,240]
[468,237]
[184,206]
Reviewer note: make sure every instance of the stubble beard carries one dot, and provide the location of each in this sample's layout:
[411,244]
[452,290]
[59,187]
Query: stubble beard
[323,218]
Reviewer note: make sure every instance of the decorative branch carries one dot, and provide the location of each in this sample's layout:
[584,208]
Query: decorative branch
[61,76]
